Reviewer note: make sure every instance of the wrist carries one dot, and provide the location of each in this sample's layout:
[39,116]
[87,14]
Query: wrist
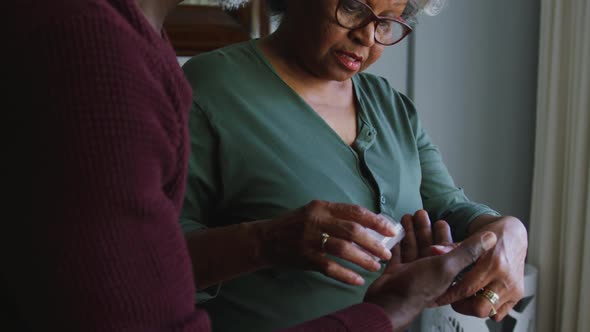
[504,223]
[257,232]
[400,311]
[481,222]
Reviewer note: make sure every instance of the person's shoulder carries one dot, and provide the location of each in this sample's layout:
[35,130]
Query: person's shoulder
[106,43]
[47,13]
[114,26]
[222,63]
[377,91]
[373,80]
[378,86]
[95,29]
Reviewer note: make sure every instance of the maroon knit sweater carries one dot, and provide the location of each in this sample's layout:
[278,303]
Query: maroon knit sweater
[103,250]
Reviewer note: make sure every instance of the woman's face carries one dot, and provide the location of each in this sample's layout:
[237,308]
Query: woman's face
[332,52]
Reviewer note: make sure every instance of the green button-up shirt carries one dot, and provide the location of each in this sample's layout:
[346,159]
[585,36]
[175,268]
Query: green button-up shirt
[259,150]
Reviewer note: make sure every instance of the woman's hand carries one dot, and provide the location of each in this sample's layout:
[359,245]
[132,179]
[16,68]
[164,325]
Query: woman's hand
[296,239]
[405,289]
[501,271]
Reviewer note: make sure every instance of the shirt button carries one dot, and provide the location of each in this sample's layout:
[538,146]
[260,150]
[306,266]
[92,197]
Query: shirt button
[383,199]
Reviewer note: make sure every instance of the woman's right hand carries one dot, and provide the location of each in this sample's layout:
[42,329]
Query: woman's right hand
[406,288]
[295,239]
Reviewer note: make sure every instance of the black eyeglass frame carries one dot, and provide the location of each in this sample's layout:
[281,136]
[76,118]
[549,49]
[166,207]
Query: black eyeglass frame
[374,18]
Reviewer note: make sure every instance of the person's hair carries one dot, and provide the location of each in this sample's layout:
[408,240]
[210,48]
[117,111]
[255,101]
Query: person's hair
[416,7]
[413,8]
[230,4]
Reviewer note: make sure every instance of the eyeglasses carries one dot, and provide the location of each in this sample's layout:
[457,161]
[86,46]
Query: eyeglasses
[353,14]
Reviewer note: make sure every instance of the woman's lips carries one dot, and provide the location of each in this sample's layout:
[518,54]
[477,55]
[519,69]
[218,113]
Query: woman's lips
[349,60]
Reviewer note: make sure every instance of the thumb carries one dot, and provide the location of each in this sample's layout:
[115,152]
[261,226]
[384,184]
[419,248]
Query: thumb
[470,250]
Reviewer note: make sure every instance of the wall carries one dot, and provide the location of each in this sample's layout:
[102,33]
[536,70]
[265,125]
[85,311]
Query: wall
[474,85]
[393,65]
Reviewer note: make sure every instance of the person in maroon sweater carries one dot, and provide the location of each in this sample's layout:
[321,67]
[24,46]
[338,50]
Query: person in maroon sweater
[103,250]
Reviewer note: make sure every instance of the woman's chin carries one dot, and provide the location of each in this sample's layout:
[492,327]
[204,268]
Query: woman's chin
[342,75]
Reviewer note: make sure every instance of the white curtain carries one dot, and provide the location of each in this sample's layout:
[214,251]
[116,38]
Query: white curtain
[560,212]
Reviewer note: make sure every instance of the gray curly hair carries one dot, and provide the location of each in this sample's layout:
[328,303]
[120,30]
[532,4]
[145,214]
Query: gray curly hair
[411,13]
[415,8]
[231,4]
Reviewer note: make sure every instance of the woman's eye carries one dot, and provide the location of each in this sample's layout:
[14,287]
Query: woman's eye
[352,7]
[385,26]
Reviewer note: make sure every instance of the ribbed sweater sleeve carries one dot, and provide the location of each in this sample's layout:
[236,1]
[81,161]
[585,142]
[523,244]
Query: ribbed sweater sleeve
[104,251]
[362,317]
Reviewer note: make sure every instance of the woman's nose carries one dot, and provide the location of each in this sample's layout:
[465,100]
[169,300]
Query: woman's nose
[364,35]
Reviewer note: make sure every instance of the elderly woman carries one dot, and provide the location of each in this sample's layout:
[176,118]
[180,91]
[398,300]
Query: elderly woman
[288,119]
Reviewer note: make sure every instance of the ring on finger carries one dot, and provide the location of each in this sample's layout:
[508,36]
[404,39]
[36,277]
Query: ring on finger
[325,237]
[489,295]
[492,297]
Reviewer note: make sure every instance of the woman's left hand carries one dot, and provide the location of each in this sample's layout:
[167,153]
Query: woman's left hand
[501,271]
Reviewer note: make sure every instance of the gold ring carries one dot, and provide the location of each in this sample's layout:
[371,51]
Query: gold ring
[492,297]
[325,237]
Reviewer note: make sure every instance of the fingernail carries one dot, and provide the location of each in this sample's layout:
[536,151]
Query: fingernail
[359,281]
[439,249]
[384,250]
[376,266]
[388,224]
[489,240]
[387,253]
[389,229]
